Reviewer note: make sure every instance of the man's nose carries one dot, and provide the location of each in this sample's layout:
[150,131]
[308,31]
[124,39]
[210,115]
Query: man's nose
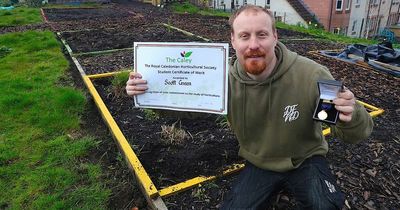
[254,44]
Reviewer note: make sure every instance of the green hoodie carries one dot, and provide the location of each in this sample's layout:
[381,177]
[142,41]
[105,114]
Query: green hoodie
[272,119]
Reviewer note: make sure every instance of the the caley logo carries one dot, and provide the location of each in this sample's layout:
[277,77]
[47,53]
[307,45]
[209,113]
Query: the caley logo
[186,54]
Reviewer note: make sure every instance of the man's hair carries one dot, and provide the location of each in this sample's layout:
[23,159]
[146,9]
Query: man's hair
[254,9]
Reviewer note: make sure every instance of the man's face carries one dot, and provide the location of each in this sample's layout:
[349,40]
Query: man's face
[254,40]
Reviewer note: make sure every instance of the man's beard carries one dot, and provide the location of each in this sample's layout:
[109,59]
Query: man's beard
[254,67]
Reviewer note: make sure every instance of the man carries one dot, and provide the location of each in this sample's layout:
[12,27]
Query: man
[272,97]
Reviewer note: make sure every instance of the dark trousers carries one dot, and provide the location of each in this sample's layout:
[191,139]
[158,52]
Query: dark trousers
[312,185]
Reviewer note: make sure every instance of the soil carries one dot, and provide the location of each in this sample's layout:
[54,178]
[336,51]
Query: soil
[110,62]
[206,150]
[123,37]
[368,173]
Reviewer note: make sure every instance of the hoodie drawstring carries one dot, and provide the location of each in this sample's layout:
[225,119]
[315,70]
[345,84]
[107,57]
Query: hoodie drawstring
[244,110]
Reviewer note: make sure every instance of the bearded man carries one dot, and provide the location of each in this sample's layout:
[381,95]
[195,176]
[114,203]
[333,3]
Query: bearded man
[272,96]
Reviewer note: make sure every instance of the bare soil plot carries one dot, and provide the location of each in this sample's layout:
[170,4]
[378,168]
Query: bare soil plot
[79,14]
[110,62]
[207,149]
[121,37]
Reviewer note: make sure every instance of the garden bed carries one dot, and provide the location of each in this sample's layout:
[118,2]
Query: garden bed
[123,37]
[207,149]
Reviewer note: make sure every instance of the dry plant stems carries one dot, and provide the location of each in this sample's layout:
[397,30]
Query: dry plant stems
[172,135]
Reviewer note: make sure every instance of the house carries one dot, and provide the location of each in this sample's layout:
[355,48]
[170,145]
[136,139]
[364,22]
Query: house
[358,18]
[333,14]
[373,18]
[293,12]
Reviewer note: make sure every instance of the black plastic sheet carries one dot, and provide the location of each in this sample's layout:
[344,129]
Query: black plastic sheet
[381,57]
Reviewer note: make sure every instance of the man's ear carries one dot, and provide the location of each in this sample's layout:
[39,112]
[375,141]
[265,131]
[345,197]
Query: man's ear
[233,41]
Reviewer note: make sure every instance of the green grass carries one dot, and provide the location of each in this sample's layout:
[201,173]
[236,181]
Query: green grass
[118,83]
[189,8]
[41,166]
[20,16]
[322,34]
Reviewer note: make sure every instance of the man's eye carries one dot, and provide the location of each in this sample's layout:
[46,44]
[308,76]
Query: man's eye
[243,36]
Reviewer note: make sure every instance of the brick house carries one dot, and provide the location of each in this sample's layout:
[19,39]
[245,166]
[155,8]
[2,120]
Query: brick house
[334,15]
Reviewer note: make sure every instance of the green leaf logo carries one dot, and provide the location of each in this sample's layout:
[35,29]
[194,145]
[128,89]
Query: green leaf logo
[187,55]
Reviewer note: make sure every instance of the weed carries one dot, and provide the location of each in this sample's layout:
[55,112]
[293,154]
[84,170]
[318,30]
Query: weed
[119,158]
[151,115]
[172,135]
[222,121]
[201,191]
[118,84]
[210,185]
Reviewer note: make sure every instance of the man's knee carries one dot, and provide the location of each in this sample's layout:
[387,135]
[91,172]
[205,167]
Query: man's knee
[315,186]
[324,195]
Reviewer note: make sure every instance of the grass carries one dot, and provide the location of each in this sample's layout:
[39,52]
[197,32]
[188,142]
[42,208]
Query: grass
[41,166]
[118,83]
[20,16]
[189,8]
[320,33]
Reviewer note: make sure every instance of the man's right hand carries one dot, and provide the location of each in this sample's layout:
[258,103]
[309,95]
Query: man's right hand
[135,85]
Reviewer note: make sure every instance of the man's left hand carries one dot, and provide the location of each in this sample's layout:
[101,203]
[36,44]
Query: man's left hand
[344,103]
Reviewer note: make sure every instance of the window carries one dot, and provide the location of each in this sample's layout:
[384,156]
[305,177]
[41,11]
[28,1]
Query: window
[357,4]
[339,5]
[245,2]
[348,4]
[354,25]
[267,4]
[373,2]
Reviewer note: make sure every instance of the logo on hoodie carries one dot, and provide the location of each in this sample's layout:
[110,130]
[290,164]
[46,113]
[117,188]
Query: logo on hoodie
[291,113]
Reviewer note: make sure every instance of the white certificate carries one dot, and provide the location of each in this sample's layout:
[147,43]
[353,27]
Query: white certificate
[183,76]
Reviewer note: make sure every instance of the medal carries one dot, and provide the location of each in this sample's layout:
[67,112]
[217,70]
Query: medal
[326,105]
[322,115]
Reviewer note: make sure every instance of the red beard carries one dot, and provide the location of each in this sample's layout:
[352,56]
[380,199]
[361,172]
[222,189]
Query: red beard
[255,67]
